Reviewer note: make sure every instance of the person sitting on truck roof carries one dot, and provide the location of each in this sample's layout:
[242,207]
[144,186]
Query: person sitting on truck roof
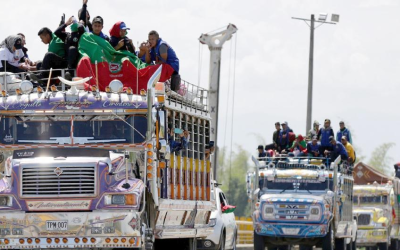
[84,16]
[299,147]
[313,147]
[349,149]
[97,25]
[275,138]
[343,132]
[55,56]
[336,150]
[158,51]
[323,136]
[119,40]
[11,54]
[314,131]
[71,41]
[285,138]
[261,152]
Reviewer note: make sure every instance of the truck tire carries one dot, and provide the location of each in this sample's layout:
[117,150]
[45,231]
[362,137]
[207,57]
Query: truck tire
[394,244]
[258,242]
[383,246]
[328,241]
[340,244]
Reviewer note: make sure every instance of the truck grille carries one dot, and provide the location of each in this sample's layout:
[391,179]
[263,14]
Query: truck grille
[54,181]
[364,219]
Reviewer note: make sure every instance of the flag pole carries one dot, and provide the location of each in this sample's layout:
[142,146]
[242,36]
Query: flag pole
[97,78]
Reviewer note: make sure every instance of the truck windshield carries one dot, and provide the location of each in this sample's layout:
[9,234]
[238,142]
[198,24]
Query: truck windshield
[370,199]
[13,130]
[288,185]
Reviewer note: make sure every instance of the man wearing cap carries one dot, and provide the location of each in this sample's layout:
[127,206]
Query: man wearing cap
[314,131]
[336,150]
[350,150]
[323,136]
[275,138]
[11,54]
[97,25]
[119,40]
[343,132]
[284,140]
[313,147]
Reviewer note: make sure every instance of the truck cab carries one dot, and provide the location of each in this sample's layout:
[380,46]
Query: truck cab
[301,201]
[373,208]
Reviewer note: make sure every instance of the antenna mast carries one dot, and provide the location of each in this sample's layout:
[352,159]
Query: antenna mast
[215,41]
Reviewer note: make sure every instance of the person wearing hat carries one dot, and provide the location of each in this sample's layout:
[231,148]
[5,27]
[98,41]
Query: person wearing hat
[313,147]
[261,152]
[314,131]
[119,40]
[285,138]
[336,150]
[97,25]
[11,54]
[343,132]
[350,150]
[323,136]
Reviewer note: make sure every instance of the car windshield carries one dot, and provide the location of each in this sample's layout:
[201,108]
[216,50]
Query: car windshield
[291,184]
[31,131]
[371,199]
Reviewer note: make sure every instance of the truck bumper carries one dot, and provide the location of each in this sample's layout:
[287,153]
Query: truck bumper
[370,237]
[67,230]
[291,230]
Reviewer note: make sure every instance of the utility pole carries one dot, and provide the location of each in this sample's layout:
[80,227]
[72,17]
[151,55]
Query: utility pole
[215,41]
[311,24]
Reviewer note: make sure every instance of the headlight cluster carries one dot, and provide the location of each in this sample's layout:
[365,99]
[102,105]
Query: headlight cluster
[314,213]
[268,212]
[5,201]
[120,199]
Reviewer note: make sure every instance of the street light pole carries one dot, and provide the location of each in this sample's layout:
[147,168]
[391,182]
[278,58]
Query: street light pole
[310,76]
[321,20]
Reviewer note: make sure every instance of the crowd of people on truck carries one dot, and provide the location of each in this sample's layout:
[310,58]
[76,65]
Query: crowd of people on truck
[320,142]
[63,47]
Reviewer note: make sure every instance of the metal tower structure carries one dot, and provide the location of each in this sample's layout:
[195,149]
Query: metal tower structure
[215,41]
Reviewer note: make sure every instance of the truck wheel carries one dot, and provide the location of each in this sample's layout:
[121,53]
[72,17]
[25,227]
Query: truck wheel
[394,244]
[340,244]
[328,241]
[258,242]
[383,246]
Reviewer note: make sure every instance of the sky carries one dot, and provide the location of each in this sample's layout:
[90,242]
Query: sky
[356,62]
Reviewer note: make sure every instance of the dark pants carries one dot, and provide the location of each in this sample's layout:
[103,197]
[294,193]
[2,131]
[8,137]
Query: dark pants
[51,60]
[10,68]
[323,148]
[73,57]
[175,81]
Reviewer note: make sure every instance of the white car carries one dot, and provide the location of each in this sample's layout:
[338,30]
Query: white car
[225,228]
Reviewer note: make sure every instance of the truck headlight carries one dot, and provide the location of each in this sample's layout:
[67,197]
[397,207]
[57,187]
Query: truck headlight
[5,201]
[120,199]
[314,211]
[268,212]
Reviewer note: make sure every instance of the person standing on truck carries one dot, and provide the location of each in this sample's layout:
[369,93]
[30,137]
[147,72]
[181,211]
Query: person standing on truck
[323,136]
[343,132]
[314,131]
[275,138]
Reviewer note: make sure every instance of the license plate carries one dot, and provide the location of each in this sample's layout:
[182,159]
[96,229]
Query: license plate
[57,225]
[291,231]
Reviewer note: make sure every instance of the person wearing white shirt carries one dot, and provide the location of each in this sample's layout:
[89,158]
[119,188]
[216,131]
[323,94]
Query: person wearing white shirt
[10,55]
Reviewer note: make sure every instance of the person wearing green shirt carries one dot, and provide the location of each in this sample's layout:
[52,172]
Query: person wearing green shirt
[55,56]
[299,147]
